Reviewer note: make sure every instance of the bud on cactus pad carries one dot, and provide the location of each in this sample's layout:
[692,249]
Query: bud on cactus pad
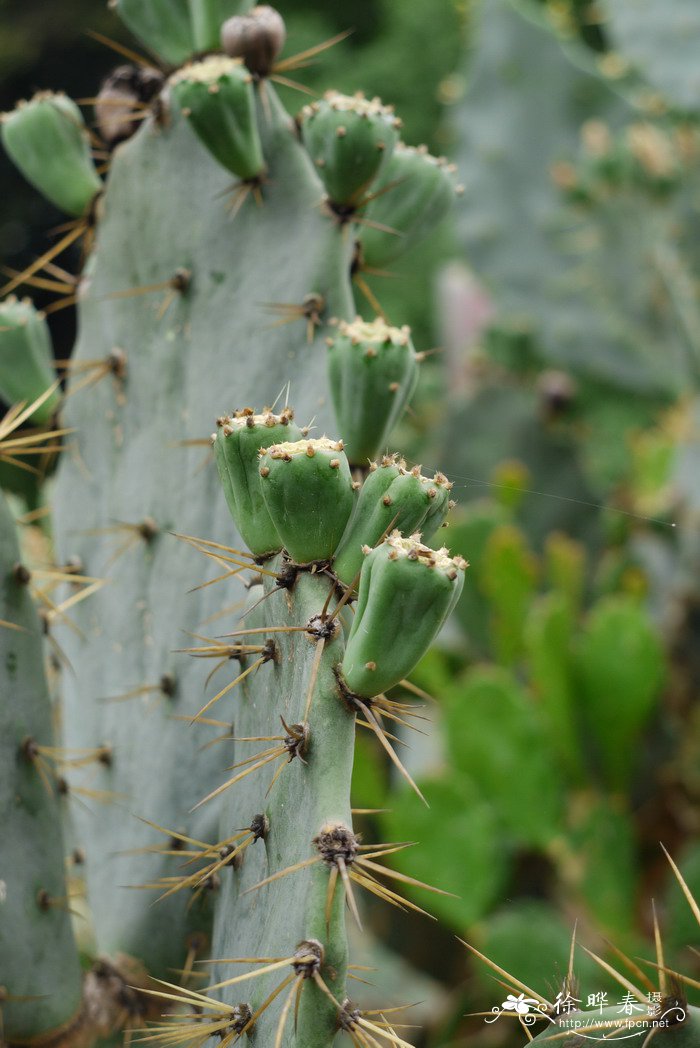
[309,494]
[406,592]
[25,356]
[48,141]
[216,96]
[391,496]
[373,371]
[413,193]
[257,38]
[349,138]
[237,445]
[116,106]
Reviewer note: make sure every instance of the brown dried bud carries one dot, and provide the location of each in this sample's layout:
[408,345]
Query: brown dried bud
[121,99]
[257,38]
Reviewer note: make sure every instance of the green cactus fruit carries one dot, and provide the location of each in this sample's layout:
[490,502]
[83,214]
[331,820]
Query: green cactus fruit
[407,590]
[216,95]
[414,192]
[349,139]
[257,38]
[392,497]
[47,139]
[309,494]
[373,370]
[25,356]
[237,444]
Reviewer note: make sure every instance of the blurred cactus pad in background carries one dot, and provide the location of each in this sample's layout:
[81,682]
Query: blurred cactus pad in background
[372,720]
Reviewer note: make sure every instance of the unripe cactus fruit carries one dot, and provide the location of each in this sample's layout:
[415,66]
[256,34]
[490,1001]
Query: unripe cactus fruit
[237,444]
[257,38]
[412,194]
[406,592]
[373,370]
[216,95]
[25,356]
[309,494]
[392,497]
[48,141]
[349,138]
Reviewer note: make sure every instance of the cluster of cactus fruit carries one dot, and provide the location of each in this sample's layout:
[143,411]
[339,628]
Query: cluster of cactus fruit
[343,593]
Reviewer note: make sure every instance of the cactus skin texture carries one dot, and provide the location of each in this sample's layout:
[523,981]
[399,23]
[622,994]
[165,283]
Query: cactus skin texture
[38,955]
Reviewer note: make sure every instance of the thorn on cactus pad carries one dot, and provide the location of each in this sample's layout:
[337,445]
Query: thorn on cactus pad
[166,687]
[177,284]
[363,1031]
[293,744]
[269,654]
[346,858]
[311,309]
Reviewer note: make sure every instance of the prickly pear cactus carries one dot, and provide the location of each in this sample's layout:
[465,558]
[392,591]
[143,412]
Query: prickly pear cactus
[220,258]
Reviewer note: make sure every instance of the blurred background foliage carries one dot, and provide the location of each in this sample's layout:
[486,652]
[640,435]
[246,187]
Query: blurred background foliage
[564,738]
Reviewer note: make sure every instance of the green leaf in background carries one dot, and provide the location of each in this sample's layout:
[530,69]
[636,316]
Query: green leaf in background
[679,924]
[461,850]
[661,41]
[565,564]
[620,668]
[532,942]
[599,863]
[509,577]
[368,773]
[549,636]
[496,736]
[589,283]
[468,536]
